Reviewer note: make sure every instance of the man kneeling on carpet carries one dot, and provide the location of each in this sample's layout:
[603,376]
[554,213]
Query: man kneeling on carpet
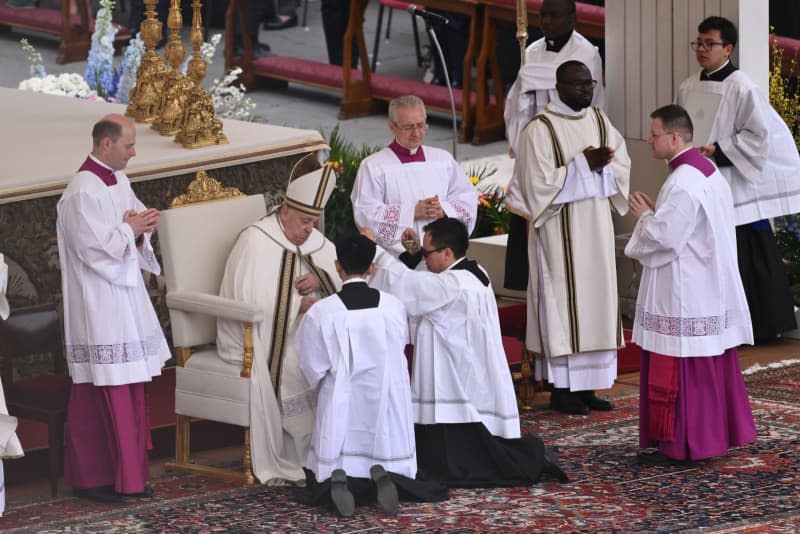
[351,345]
[467,423]
[691,312]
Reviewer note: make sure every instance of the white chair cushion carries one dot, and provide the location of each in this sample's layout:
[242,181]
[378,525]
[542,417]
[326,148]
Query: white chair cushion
[210,388]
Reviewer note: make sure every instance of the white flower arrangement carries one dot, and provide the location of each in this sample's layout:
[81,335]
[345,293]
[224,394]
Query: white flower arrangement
[67,84]
[230,100]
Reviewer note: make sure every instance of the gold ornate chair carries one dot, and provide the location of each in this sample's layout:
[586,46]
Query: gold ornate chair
[196,235]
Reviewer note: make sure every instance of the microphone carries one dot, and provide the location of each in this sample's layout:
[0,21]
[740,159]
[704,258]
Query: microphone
[433,18]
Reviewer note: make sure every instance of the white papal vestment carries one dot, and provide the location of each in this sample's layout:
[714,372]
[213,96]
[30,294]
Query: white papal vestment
[573,315]
[261,269]
[112,334]
[460,372]
[386,193]
[357,359]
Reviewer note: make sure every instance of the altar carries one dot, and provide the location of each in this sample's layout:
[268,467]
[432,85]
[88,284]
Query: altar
[45,138]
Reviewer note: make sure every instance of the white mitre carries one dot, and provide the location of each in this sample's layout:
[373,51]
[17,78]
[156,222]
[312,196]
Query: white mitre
[309,193]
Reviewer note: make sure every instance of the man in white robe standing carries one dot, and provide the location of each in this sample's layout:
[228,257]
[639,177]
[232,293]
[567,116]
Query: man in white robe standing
[575,170]
[408,184]
[534,87]
[467,422]
[351,346]
[10,446]
[755,151]
[114,341]
[283,264]
[691,312]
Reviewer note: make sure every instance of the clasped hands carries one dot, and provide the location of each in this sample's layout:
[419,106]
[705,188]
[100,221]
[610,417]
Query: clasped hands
[429,208]
[597,158]
[639,203]
[143,221]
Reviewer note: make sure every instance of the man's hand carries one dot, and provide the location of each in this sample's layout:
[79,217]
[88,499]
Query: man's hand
[410,241]
[143,221]
[597,158]
[429,208]
[707,150]
[307,283]
[307,302]
[639,203]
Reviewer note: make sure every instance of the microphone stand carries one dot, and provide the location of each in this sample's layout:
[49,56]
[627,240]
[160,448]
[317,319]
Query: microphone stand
[435,40]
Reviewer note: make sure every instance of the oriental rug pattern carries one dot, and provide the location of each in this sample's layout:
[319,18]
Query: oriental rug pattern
[752,489]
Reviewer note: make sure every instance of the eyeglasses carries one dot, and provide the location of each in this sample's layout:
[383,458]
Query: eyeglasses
[653,136]
[426,253]
[705,45]
[581,84]
[411,127]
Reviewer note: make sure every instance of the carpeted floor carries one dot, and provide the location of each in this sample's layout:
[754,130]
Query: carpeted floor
[752,489]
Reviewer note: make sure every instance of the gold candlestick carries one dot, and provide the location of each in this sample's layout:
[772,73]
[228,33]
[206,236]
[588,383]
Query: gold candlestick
[176,86]
[200,125]
[145,97]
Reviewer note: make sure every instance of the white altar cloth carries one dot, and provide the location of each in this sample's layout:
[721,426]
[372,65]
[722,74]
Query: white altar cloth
[45,138]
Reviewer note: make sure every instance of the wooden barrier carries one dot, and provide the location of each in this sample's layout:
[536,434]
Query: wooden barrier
[75,30]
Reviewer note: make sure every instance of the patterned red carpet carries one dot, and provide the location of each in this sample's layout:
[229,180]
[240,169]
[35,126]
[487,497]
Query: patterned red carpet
[752,489]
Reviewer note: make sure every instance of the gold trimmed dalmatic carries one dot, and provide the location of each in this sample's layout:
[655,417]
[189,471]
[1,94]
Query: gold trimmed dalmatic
[572,291]
[261,269]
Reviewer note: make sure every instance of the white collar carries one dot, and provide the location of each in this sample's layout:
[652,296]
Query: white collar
[557,106]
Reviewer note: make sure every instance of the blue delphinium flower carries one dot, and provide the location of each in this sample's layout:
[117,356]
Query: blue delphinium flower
[131,59]
[100,73]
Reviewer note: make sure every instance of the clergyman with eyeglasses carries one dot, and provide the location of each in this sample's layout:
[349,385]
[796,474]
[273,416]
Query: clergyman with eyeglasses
[408,184]
[574,171]
[755,151]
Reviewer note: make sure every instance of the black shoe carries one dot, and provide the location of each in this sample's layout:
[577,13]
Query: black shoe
[279,23]
[147,493]
[387,491]
[340,494]
[564,401]
[594,402]
[657,458]
[99,494]
[552,467]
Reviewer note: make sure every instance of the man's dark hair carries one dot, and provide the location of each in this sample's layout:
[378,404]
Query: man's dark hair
[675,119]
[355,253]
[106,128]
[564,67]
[448,232]
[726,28]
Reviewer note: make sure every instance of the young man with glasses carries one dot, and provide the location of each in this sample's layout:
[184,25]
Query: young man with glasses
[576,171]
[756,153]
[691,312]
[408,184]
[467,423]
